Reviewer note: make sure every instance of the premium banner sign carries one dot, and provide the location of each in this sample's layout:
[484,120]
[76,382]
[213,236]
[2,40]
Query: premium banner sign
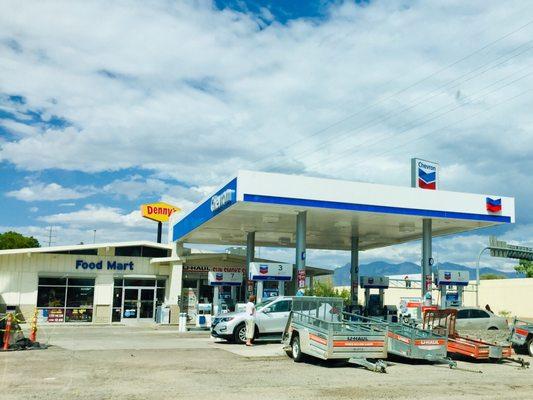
[219,278]
[452,278]
[381,282]
[270,271]
[424,174]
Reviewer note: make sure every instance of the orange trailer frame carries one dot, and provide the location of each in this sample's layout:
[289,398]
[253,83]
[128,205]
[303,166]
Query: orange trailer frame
[443,322]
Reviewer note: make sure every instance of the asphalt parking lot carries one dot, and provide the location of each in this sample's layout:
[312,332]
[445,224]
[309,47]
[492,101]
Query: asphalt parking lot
[154,363]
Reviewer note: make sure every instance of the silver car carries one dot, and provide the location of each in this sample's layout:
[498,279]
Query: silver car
[271,317]
[472,318]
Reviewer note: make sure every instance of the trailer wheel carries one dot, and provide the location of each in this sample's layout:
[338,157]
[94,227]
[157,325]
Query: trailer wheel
[530,346]
[296,349]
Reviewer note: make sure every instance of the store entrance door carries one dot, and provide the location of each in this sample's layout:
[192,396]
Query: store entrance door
[139,304]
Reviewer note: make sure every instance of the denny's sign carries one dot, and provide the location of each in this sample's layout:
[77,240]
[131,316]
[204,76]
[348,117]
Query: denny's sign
[159,212]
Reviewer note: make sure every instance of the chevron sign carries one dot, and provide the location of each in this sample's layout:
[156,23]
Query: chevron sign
[424,174]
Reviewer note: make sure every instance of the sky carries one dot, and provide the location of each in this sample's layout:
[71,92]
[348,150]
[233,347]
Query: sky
[107,105]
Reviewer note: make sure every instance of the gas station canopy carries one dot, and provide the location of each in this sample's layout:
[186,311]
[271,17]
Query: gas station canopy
[379,215]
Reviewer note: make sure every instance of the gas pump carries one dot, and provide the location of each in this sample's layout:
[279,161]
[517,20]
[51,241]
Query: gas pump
[220,280]
[270,278]
[451,285]
[374,303]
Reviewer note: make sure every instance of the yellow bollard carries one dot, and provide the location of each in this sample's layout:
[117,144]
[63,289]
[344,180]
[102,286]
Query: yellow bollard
[33,327]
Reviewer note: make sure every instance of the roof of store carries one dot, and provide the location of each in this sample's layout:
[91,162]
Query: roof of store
[56,249]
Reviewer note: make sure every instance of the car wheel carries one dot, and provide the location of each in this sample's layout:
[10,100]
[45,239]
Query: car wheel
[530,346]
[296,350]
[239,335]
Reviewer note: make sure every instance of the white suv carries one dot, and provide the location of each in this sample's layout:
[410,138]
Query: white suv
[271,317]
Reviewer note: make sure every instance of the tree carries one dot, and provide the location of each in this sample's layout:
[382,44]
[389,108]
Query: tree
[525,267]
[326,289]
[491,276]
[14,240]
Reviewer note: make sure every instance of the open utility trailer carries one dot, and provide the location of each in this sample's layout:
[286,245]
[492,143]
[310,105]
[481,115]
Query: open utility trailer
[443,322]
[318,327]
[418,344]
[522,335]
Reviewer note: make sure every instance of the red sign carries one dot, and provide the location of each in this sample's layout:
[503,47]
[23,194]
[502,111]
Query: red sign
[301,278]
[428,282]
[250,287]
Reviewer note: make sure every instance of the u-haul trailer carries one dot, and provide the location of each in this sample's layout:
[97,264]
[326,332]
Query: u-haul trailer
[443,321]
[318,327]
[522,335]
[418,344]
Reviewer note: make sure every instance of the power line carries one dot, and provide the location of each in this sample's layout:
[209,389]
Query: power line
[421,99]
[345,35]
[372,141]
[401,90]
[443,128]
[346,153]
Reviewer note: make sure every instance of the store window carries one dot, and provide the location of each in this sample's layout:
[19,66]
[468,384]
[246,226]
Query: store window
[65,299]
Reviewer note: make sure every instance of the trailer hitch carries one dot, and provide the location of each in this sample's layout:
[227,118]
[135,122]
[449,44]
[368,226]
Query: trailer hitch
[442,360]
[523,363]
[378,366]
[452,364]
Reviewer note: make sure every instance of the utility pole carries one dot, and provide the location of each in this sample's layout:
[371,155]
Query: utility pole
[94,236]
[51,236]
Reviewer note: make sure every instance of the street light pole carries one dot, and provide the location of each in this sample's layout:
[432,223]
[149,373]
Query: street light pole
[477,274]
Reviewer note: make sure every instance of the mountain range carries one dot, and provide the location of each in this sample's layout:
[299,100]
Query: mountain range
[341,276]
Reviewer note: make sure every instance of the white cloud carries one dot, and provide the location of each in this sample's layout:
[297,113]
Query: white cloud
[48,192]
[112,225]
[190,93]
[193,93]
[19,129]
[96,215]
[69,235]
[136,186]
[34,209]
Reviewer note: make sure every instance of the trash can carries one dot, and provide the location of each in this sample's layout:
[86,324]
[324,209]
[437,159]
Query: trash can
[162,315]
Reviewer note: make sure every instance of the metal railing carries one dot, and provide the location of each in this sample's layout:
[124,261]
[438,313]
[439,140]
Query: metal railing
[417,284]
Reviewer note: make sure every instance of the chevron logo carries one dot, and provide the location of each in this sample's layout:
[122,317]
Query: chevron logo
[494,205]
[427,180]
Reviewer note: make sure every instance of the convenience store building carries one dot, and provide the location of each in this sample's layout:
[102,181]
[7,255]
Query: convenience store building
[110,282]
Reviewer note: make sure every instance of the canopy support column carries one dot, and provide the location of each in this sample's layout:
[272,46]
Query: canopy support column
[354,272]
[216,300]
[427,260]
[250,255]
[281,288]
[301,227]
